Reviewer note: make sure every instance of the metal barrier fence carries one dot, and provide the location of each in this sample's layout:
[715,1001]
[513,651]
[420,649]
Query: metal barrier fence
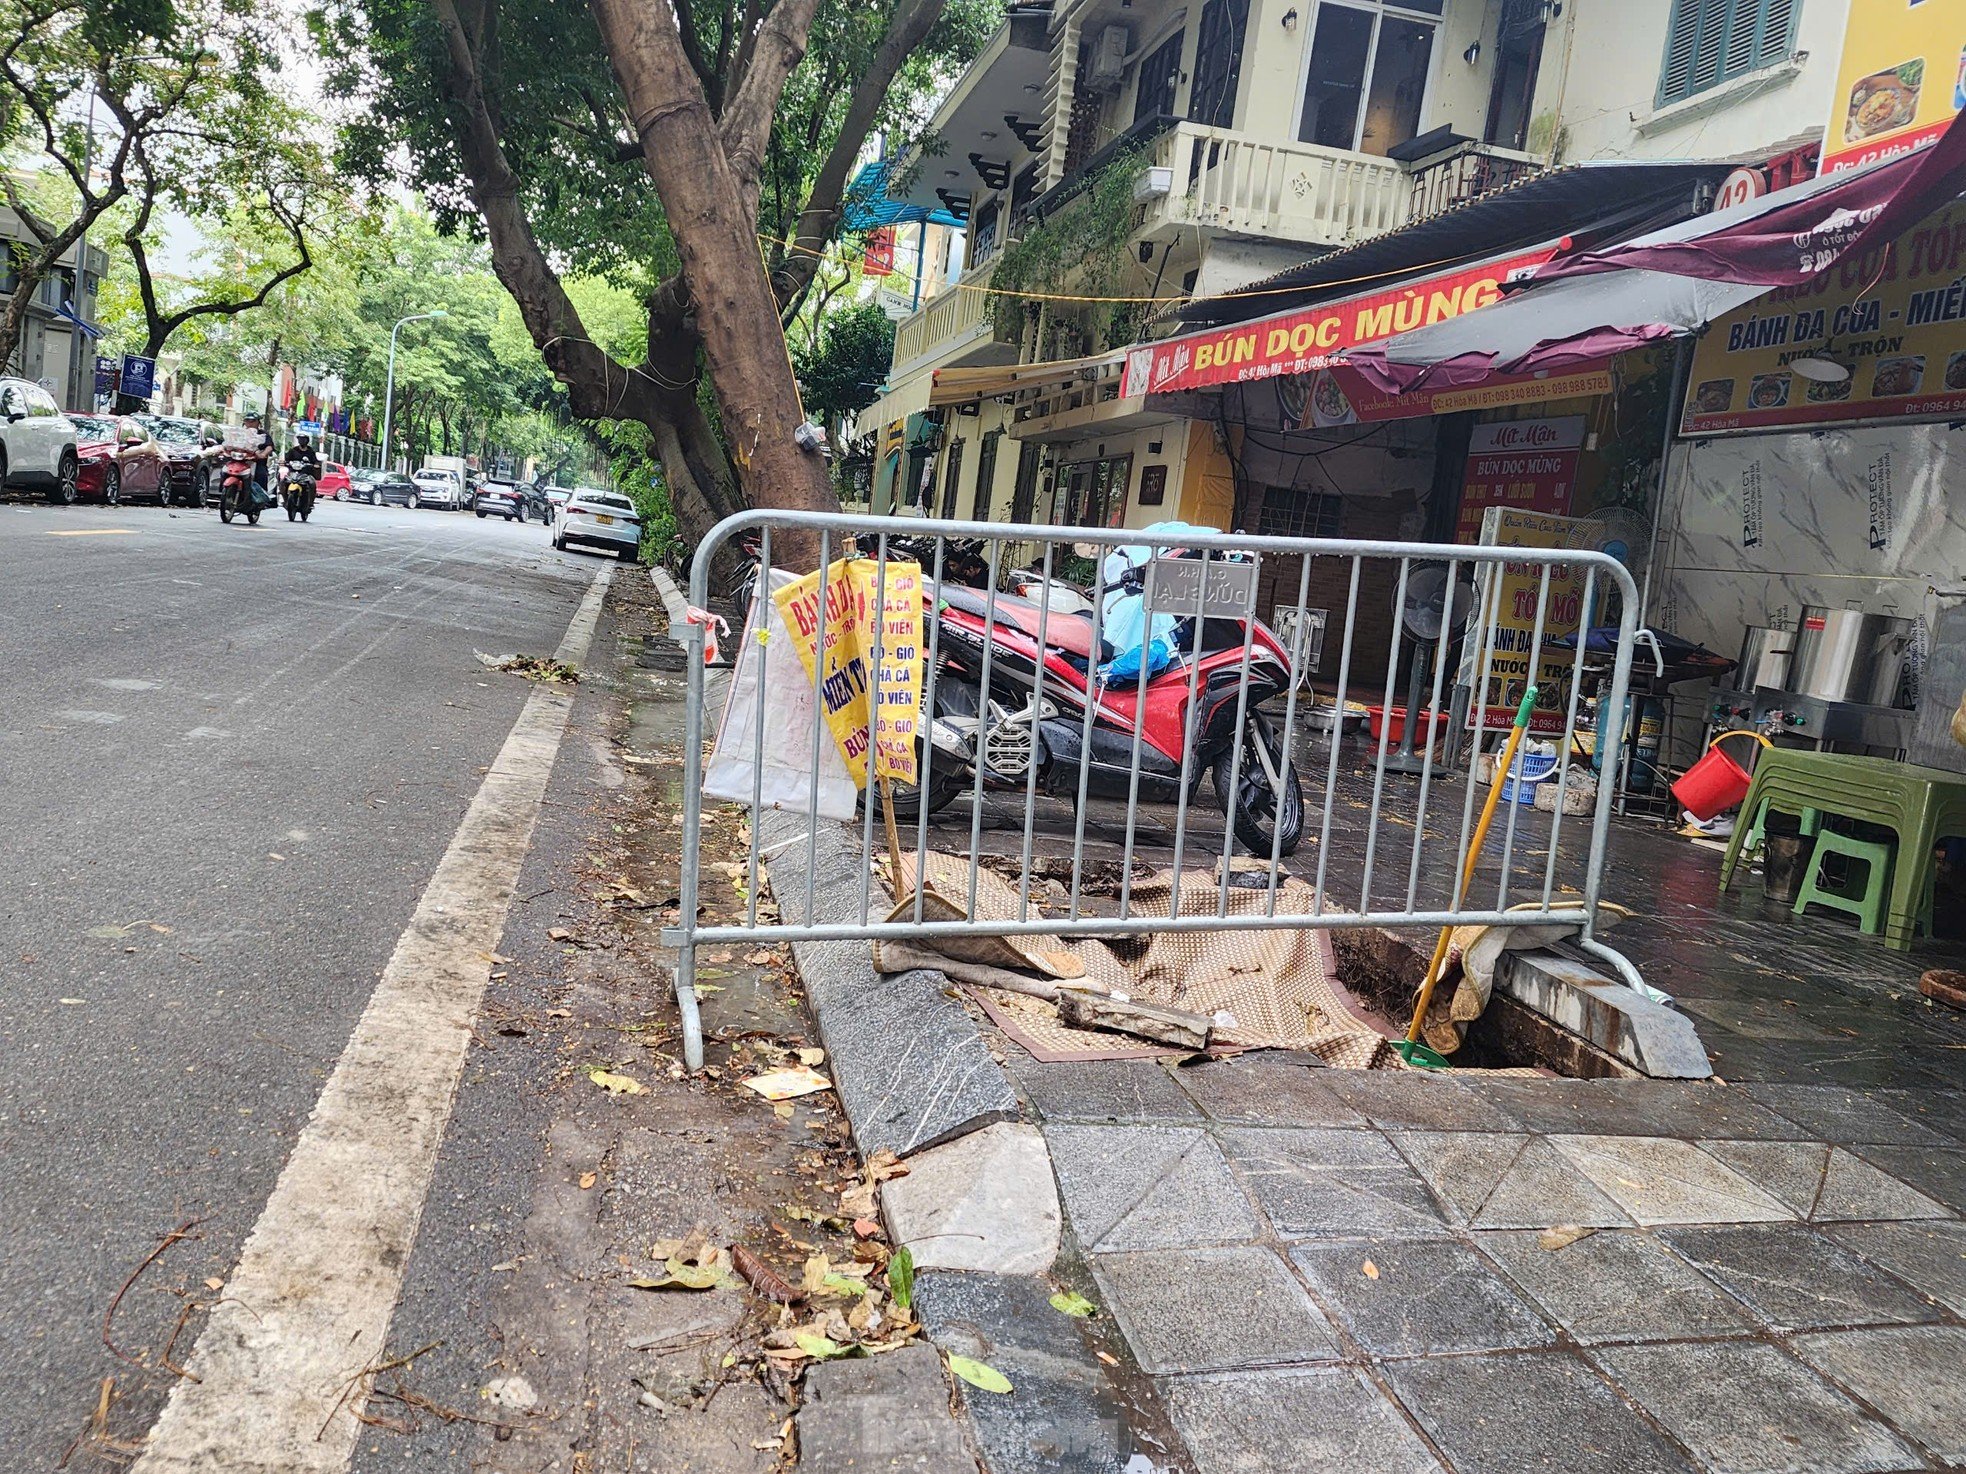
[1025,717]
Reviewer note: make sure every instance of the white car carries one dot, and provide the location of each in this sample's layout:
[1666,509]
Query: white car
[437,489]
[37,442]
[599,519]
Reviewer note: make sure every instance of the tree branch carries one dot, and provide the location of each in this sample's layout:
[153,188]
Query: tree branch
[746,122]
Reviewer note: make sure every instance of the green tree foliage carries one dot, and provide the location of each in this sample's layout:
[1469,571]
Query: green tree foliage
[841,371]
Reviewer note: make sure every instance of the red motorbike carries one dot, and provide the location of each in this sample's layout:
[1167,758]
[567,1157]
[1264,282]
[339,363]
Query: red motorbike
[1021,724]
[236,497]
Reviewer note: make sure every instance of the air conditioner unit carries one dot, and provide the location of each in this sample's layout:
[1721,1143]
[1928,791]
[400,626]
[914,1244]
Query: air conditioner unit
[1109,58]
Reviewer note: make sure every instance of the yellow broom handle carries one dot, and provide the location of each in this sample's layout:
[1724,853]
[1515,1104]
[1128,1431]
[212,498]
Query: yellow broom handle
[1502,767]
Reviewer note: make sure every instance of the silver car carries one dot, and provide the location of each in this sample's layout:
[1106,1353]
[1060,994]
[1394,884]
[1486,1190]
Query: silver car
[604,520]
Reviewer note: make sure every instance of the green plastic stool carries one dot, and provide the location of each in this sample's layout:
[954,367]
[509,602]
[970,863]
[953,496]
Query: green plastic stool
[1868,907]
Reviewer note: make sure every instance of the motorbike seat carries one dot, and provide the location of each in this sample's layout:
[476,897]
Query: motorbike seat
[1070,633]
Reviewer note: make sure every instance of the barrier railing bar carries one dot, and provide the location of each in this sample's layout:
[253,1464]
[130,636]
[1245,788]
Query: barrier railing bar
[1235,751]
[1337,726]
[1569,733]
[932,612]
[1037,735]
[1522,751]
[1290,725]
[1385,736]
[981,761]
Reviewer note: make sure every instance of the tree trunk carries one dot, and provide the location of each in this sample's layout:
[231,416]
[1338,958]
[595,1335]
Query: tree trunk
[736,314]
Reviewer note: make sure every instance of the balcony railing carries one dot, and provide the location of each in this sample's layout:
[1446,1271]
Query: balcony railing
[1245,185]
[1466,173]
[958,318]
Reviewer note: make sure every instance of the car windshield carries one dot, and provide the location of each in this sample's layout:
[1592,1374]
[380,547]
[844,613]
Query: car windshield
[176,432]
[94,427]
[612,503]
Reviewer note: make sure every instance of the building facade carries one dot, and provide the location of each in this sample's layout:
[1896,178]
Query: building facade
[57,340]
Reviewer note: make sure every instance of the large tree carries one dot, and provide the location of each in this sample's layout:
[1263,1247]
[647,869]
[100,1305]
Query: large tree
[158,79]
[692,150]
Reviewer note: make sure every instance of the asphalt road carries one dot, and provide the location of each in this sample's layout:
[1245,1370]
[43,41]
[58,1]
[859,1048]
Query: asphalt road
[232,756]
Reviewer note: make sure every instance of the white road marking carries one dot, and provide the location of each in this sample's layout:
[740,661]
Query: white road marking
[93,718]
[124,683]
[310,1302]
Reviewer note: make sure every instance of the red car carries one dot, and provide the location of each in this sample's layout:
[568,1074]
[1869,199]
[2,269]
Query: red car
[334,480]
[116,458]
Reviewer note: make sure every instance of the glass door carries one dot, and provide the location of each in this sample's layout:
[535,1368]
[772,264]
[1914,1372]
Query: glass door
[1365,83]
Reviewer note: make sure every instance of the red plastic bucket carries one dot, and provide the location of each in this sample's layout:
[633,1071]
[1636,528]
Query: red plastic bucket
[1716,781]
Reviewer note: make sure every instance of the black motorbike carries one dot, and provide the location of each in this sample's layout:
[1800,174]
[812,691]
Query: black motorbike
[297,491]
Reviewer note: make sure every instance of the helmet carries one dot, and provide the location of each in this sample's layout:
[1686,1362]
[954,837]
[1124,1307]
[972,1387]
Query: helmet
[304,442]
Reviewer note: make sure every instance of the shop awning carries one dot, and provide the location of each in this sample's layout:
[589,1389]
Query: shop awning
[962,385]
[1673,282]
[897,402]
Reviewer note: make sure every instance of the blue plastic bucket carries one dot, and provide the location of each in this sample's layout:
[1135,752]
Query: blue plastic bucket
[1529,769]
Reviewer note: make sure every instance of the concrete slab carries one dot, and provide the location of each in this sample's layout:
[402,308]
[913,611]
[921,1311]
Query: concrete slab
[1795,1279]
[1658,1180]
[1635,1108]
[1911,1374]
[1928,1256]
[880,1414]
[1505,1413]
[908,1064]
[1104,1090]
[1745,1407]
[1844,1116]
[1506,1181]
[1260,1090]
[984,1201]
[1853,1189]
[1420,1297]
[1148,1187]
[1063,1415]
[1212,1310]
[1650,1037]
[1791,1172]
[1937,1174]
[1264,1422]
[1616,1285]
[1828,1184]
[1342,1183]
[1417,1100]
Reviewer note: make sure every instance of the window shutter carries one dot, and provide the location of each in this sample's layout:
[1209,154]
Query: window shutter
[1680,31]
[1777,40]
[1710,45]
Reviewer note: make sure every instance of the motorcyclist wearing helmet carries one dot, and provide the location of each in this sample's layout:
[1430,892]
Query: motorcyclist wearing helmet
[302,456]
[261,446]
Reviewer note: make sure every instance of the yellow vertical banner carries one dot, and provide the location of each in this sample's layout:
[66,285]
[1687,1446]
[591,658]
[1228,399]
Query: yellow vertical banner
[1516,610]
[836,646]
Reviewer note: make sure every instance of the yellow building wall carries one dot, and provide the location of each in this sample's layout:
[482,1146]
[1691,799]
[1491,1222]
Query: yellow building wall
[1208,480]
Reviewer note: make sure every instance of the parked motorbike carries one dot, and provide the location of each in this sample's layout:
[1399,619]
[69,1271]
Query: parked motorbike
[236,496]
[1034,715]
[298,488]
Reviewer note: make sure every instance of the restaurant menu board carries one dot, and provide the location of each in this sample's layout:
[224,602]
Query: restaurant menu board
[1896,319]
[1522,603]
[1900,81]
[1530,465]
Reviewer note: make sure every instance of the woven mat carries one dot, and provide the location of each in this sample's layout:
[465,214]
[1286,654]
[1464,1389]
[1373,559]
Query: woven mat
[1278,986]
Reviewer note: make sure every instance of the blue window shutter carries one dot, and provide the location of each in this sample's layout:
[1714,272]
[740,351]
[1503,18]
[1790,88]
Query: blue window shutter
[1681,31]
[1711,41]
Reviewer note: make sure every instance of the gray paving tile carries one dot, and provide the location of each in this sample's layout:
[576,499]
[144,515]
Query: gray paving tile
[1656,1179]
[1791,1172]
[1911,1374]
[1929,1256]
[1212,1310]
[1745,1407]
[1420,1296]
[1617,1285]
[1262,1090]
[1332,1183]
[1944,1111]
[1796,1279]
[1507,1413]
[1854,1189]
[1265,1422]
[1417,1100]
[1506,1181]
[1844,1116]
[1937,1174]
[1147,1187]
[1633,1108]
[1104,1090]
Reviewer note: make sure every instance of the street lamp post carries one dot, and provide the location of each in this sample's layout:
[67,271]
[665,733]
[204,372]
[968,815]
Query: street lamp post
[389,381]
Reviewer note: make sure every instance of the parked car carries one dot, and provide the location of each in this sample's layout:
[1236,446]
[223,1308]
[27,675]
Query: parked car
[190,450]
[379,488]
[537,502]
[499,499]
[599,519]
[556,498]
[116,458]
[37,442]
[435,488]
[334,482]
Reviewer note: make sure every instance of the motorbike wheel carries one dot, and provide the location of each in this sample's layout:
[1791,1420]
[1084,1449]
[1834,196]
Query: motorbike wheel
[291,513]
[946,780]
[228,503]
[1254,808]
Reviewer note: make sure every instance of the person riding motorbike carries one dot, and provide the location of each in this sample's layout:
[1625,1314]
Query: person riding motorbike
[303,461]
[260,444]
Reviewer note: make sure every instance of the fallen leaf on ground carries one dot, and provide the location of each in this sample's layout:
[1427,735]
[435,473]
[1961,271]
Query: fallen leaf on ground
[588,1179]
[1107,1357]
[812,1056]
[767,1281]
[783,1110]
[1066,1302]
[214,1283]
[979,1374]
[1369,1270]
[885,1164]
[901,1277]
[788,1083]
[1563,1235]
[818,1347]
[760,958]
[617,1084]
